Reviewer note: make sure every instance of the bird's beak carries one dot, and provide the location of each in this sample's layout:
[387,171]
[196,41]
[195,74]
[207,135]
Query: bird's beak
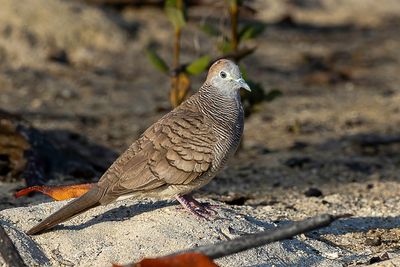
[243,84]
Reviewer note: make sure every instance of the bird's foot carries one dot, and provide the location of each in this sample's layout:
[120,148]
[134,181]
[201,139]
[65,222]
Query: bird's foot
[196,208]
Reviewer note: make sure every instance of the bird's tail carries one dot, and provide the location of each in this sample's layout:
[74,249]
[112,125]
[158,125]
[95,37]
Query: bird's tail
[89,200]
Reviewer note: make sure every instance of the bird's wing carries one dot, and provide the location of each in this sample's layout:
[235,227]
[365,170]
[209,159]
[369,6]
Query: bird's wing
[175,150]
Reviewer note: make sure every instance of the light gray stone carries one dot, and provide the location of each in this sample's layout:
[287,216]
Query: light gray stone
[128,231]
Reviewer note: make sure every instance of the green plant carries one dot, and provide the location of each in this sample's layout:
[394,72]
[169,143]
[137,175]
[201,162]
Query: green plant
[179,74]
[233,45]
[236,45]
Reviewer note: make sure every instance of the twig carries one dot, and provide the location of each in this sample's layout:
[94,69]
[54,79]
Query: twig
[246,242]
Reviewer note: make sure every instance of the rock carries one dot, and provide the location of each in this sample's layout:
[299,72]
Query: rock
[313,192]
[380,258]
[16,150]
[38,156]
[385,261]
[128,231]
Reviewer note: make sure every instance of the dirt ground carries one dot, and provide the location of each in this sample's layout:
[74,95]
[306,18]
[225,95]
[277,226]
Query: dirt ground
[330,143]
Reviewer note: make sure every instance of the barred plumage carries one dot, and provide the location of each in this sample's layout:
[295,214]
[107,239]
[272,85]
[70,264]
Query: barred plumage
[181,152]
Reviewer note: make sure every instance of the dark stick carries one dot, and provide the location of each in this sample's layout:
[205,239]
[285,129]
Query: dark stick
[246,242]
[8,251]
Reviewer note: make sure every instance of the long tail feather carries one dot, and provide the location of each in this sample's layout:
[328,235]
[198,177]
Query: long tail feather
[89,200]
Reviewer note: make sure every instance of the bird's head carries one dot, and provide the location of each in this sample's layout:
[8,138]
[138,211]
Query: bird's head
[225,75]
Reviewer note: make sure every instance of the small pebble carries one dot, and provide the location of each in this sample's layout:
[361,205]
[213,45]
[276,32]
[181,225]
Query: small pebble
[313,192]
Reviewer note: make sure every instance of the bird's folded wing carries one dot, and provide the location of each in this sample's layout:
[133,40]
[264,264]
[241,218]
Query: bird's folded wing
[175,150]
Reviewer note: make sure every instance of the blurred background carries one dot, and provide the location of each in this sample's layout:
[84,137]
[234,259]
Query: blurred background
[81,80]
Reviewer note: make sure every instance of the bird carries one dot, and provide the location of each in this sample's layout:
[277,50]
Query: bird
[181,152]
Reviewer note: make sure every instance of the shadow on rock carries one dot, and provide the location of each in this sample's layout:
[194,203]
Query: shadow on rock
[33,250]
[359,224]
[120,214]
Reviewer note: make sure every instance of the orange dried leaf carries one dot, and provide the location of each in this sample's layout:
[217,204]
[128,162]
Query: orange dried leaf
[181,260]
[62,192]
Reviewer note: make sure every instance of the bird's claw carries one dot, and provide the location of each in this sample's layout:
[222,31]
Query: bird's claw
[196,208]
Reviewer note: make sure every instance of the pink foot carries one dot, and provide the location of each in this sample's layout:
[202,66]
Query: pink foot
[195,207]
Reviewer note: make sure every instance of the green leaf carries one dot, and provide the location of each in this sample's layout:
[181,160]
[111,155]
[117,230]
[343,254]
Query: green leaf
[176,17]
[157,61]
[250,31]
[199,65]
[243,71]
[210,30]
[170,3]
[225,47]
[175,13]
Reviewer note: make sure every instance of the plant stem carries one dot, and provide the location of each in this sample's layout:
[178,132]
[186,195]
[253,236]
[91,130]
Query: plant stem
[234,12]
[177,48]
[174,92]
[177,44]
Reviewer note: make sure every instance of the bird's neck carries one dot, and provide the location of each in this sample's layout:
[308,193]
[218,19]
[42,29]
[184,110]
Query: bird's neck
[219,106]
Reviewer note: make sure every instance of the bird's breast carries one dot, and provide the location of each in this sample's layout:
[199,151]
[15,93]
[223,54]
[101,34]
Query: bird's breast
[228,134]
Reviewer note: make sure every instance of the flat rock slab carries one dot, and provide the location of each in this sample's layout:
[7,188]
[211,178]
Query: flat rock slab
[129,230]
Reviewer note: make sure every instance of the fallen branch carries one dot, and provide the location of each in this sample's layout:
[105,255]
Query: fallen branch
[246,242]
[242,243]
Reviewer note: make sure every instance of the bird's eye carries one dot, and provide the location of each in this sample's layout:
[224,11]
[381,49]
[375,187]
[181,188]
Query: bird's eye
[222,74]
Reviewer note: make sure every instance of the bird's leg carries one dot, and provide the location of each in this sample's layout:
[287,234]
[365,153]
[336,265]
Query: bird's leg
[195,207]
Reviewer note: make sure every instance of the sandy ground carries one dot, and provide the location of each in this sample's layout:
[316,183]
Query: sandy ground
[129,231]
[307,152]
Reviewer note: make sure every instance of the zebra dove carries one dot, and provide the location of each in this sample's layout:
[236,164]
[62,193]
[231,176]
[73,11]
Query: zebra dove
[181,152]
